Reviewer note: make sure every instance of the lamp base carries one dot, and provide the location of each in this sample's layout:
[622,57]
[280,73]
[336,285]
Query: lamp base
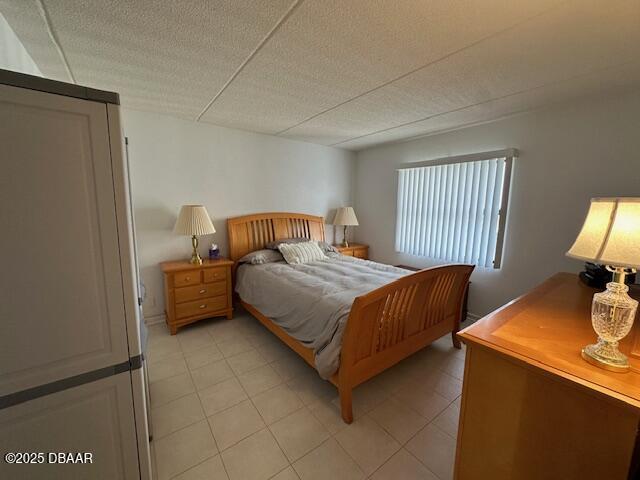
[345,243]
[195,258]
[606,356]
[612,314]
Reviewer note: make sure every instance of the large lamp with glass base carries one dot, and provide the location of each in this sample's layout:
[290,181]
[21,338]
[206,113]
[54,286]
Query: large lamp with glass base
[193,220]
[611,236]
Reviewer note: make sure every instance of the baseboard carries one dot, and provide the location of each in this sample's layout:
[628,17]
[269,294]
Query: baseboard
[472,318]
[153,319]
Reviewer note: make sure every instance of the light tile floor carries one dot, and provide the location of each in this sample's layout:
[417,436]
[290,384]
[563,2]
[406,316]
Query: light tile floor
[231,401]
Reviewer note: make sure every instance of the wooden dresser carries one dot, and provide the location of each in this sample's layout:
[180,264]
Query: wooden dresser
[358,250]
[196,292]
[532,408]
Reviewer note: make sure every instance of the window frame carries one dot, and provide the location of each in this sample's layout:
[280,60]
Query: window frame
[508,155]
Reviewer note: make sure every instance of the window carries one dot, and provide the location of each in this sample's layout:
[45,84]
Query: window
[454,209]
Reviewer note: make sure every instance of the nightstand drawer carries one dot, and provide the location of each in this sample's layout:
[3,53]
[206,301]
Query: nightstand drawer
[358,250]
[206,305]
[361,253]
[186,294]
[196,292]
[182,279]
[215,274]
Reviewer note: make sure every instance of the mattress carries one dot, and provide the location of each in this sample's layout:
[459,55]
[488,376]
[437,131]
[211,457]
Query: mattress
[312,301]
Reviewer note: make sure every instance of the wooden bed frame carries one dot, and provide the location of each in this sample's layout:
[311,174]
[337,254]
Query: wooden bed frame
[385,325]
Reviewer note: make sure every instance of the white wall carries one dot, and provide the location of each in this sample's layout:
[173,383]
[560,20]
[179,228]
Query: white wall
[568,154]
[232,172]
[13,55]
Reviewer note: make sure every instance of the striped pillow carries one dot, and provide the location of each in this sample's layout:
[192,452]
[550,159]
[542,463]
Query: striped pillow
[305,252]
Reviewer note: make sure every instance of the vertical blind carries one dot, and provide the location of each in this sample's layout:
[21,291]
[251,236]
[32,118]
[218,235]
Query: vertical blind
[452,211]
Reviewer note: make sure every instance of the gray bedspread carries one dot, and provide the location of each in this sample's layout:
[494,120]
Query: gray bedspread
[311,302]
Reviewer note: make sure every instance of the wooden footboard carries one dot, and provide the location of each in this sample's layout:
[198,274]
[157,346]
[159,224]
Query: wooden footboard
[390,323]
[384,326]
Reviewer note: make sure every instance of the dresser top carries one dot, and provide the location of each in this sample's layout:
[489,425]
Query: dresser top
[178,265]
[547,328]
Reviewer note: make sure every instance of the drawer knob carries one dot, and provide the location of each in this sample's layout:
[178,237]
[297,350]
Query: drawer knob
[202,306]
[186,279]
[203,291]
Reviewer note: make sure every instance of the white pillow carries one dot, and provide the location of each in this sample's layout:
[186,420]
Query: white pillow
[260,257]
[305,252]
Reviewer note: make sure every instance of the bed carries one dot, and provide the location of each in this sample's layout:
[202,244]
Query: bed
[380,327]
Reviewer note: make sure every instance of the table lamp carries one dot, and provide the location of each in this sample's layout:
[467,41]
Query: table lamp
[345,216]
[611,236]
[194,220]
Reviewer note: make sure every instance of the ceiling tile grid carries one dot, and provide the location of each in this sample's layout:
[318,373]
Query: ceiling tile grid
[170,56]
[351,74]
[27,23]
[626,78]
[546,50]
[330,51]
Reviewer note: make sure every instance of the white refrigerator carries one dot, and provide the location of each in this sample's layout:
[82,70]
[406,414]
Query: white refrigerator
[72,399]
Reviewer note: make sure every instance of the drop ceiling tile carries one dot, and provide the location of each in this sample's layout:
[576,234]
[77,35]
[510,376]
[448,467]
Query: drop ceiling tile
[329,51]
[27,23]
[328,137]
[546,50]
[615,80]
[170,56]
[173,57]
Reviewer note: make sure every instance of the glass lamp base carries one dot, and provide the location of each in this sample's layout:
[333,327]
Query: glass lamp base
[606,356]
[612,314]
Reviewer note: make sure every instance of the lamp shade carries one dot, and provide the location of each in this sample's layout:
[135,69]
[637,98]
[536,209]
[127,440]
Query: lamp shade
[345,216]
[611,233]
[193,220]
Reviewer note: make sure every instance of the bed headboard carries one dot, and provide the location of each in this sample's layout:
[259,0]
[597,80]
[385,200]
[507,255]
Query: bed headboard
[252,232]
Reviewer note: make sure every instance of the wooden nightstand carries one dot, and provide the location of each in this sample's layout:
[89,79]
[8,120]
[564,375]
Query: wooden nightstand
[195,292]
[358,250]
